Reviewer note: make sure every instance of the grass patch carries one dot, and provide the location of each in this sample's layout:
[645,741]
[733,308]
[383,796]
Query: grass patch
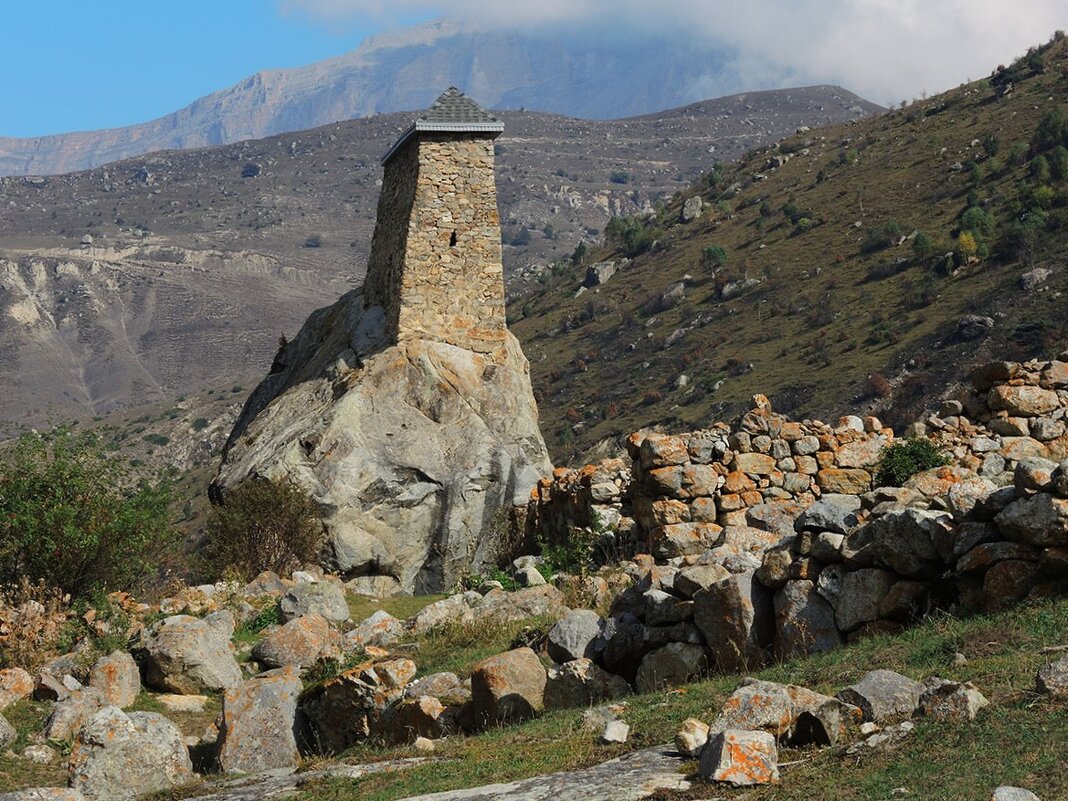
[28,718]
[400,606]
[1021,739]
[456,647]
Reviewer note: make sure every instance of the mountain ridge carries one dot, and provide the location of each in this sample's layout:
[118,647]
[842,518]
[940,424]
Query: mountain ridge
[404,69]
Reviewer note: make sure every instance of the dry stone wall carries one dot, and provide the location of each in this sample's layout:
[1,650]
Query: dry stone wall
[682,490]
[743,558]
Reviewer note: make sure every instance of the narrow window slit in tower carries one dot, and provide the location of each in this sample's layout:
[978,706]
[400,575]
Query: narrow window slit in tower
[452,240]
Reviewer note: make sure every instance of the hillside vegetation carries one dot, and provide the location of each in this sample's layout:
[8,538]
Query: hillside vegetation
[862,265]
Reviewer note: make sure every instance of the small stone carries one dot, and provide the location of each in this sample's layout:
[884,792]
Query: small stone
[1007,793]
[883,694]
[691,737]
[1052,679]
[952,702]
[39,755]
[615,731]
[424,745]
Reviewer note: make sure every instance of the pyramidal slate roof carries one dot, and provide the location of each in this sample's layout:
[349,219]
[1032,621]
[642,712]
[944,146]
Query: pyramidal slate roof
[453,112]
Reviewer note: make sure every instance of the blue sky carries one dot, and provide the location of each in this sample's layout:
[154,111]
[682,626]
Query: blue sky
[82,64]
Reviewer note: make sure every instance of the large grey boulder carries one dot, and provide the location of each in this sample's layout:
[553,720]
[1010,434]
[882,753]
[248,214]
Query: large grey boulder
[581,683]
[258,723]
[118,756]
[508,687]
[883,695]
[908,541]
[674,664]
[859,596]
[299,642]
[191,656]
[319,598]
[411,450]
[804,621]
[736,617]
[836,513]
[577,635]
[1041,519]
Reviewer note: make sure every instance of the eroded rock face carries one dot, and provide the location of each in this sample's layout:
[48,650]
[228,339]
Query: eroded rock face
[411,450]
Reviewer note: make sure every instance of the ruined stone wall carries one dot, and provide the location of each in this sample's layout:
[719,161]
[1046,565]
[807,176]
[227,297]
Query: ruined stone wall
[685,488]
[436,256]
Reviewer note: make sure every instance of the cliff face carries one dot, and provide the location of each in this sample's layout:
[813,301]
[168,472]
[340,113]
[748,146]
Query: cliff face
[392,72]
[412,450]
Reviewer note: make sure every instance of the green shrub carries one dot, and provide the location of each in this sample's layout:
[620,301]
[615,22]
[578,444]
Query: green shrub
[878,237]
[713,257]
[921,246]
[200,424]
[902,460]
[73,516]
[156,439]
[262,525]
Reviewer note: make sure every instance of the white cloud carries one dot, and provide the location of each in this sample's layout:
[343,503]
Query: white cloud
[886,50]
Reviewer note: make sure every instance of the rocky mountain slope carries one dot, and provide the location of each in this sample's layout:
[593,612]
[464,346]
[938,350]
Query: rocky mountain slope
[195,262]
[861,266]
[562,73]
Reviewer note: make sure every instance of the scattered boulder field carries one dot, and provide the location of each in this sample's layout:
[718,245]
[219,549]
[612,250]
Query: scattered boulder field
[736,548]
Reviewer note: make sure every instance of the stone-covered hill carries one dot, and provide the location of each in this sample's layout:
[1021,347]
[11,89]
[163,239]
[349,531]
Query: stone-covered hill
[847,282]
[195,262]
[594,74]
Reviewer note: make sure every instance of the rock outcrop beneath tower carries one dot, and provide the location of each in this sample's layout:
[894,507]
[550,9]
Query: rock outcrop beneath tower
[405,409]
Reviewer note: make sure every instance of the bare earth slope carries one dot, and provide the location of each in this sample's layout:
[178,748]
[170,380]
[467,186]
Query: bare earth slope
[578,73]
[201,259]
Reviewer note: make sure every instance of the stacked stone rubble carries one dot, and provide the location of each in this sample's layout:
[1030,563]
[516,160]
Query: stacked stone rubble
[749,552]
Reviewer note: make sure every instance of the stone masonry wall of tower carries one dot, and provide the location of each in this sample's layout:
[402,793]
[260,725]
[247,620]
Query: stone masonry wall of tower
[436,254]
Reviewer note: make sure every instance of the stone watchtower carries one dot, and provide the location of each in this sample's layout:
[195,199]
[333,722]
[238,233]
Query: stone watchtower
[435,263]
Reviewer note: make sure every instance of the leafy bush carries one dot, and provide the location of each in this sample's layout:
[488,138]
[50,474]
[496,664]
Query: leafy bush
[713,257]
[921,246]
[262,525]
[878,237]
[630,235]
[73,516]
[902,460]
